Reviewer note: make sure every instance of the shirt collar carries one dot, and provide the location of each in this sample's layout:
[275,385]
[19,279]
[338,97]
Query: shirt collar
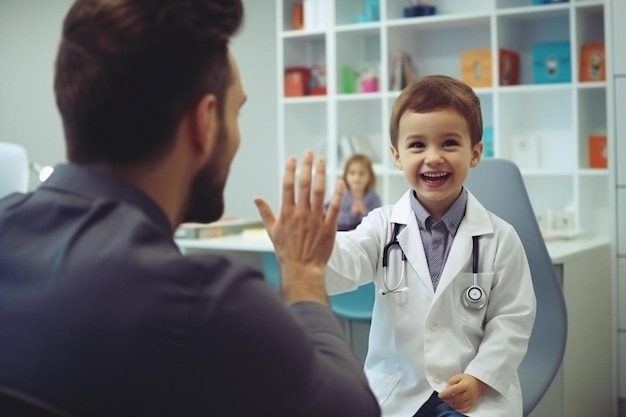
[452,218]
[91,184]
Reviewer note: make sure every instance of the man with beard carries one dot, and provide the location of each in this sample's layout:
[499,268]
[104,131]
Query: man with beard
[100,313]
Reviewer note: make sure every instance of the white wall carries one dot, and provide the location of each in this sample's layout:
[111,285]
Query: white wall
[256,170]
[29,36]
[619,98]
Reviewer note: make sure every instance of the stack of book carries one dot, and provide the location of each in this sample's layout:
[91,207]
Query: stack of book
[222,227]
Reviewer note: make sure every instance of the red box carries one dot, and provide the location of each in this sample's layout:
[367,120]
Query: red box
[597,151]
[592,62]
[297,81]
[476,67]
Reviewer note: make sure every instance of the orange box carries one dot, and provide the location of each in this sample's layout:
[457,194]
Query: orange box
[592,62]
[597,151]
[297,81]
[476,67]
[297,16]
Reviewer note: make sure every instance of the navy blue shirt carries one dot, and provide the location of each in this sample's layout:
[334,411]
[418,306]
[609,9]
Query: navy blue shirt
[101,315]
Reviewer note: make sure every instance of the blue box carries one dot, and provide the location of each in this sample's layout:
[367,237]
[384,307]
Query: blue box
[488,142]
[552,62]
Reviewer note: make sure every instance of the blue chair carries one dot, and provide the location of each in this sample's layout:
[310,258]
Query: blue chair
[354,306]
[271,269]
[499,186]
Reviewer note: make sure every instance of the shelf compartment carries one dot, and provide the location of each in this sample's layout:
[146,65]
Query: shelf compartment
[528,6]
[358,62]
[361,120]
[442,22]
[591,120]
[436,49]
[520,32]
[590,30]
[395,8]
[536,130]
[304,51]
[594,207]
[357,12]
[554,194]
[305,127]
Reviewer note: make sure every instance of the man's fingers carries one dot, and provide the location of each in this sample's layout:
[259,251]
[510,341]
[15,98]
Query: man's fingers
[266,213]
[289,179]
[319,186]
[304,192]
[334,206]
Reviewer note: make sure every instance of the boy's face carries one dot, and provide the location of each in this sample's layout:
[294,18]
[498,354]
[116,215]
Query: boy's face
[435,153]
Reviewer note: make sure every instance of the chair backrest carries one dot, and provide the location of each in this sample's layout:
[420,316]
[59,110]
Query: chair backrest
[13,169]
[499,186]
[16,404]
[354,305]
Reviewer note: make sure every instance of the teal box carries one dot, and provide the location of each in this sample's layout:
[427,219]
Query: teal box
[552,62]
[488,142]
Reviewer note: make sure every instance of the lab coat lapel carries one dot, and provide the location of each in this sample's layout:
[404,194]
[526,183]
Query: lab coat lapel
[414,251]
[476,222]
[411,241]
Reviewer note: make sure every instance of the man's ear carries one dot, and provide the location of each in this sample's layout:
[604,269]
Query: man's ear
[204,124]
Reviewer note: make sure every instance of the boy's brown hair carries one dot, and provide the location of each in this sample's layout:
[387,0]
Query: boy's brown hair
[367,163]
[437,92]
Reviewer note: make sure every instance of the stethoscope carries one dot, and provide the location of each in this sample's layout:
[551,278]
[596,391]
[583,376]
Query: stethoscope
[472,298]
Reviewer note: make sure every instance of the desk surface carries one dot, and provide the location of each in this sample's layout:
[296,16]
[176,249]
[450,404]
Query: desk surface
[559,250]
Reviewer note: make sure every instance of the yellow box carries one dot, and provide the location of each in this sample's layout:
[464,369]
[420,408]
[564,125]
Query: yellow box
[476,67]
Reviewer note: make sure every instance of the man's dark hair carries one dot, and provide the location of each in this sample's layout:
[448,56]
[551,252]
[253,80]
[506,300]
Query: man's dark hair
[128,70]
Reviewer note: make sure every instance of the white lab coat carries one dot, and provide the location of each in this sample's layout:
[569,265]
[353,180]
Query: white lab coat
[421,338]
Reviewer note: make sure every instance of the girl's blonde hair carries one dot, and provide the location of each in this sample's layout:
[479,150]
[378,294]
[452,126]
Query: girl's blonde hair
[367,163]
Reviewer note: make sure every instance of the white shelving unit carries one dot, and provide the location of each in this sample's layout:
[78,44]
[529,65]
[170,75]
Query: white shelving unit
[560,116]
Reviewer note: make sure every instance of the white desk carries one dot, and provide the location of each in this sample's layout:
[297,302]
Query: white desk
[232,243]
[584,385]
[560,250]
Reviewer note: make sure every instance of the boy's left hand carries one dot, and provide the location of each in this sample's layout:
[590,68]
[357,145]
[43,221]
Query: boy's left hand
[462,392]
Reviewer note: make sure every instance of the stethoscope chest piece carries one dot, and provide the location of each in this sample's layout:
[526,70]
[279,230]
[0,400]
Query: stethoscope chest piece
[473,298]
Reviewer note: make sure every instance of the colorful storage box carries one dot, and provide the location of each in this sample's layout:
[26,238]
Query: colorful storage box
[597,151]
[476,67]
[552,62]
[297,81]
[488,142]
[549,1]
[592,63]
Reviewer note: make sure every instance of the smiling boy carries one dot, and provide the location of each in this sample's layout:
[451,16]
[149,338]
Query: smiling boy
[455,304]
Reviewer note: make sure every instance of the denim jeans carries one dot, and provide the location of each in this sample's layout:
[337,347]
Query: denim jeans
[434,407]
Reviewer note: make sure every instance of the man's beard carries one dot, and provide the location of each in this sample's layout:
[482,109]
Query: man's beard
[206,195]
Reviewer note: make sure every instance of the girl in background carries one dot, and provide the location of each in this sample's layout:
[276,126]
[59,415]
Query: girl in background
[360,197]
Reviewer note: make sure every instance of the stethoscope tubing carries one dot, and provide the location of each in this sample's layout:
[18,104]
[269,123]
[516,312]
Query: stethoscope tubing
[472,298]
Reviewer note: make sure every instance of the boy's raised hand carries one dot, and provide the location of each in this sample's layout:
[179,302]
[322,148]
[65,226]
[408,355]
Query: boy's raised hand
[303,235]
